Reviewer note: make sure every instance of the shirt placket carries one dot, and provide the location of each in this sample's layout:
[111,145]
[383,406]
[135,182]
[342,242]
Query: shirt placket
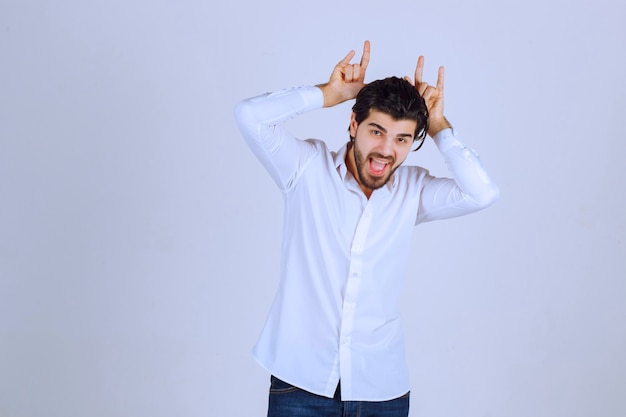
[353,288]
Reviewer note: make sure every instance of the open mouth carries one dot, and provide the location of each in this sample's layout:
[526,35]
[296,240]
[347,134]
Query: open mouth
[377,166]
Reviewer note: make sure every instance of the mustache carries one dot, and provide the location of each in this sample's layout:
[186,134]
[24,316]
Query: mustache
[389,159]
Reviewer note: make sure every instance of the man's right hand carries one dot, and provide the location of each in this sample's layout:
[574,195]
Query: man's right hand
[346,79]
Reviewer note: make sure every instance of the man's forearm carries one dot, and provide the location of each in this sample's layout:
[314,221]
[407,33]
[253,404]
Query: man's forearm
[332,97]
[260,120]
[436,125]
[466,168]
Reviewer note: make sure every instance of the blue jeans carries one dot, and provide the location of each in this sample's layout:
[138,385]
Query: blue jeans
[289,401]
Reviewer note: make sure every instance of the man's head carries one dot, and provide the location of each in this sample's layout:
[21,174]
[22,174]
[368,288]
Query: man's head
[388,117]
[396,97]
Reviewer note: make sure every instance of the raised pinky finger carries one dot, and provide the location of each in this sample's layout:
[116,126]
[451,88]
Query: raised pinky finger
[440,77]
[346,60]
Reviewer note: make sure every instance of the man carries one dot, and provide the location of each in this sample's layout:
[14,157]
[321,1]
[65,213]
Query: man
[333,339]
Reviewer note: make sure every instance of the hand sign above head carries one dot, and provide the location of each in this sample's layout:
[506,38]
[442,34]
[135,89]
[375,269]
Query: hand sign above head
[346,79]
[433,96]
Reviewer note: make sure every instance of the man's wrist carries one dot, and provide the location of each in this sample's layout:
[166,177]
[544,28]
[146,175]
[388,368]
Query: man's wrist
[437,125]
[330,98]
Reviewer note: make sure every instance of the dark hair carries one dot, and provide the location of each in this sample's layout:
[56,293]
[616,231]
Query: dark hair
[396,97]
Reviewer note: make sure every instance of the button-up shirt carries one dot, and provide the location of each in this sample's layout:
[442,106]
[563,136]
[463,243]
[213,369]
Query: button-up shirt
[335,315]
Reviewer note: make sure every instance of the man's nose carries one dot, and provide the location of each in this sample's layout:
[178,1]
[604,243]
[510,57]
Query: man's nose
[386,147]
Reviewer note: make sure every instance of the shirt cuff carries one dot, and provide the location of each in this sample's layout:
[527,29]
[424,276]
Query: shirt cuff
[446,139]
[312,97]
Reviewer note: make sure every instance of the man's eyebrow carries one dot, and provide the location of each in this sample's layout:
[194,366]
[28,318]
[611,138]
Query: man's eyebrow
[382,129]
[377,126]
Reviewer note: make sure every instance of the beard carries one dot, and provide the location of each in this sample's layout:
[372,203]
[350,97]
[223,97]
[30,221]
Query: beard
[365,172]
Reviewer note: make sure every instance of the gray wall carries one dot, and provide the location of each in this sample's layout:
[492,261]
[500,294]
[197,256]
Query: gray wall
[139,237]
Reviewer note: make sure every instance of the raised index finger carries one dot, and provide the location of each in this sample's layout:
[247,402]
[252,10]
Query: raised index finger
[419,69]
[365,59]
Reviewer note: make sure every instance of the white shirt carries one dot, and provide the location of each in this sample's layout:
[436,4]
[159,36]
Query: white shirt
[335,314]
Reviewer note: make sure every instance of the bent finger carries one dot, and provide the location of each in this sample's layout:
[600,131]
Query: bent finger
[348,73]
[356,72]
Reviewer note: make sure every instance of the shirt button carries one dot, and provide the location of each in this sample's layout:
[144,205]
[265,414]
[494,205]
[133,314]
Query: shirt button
[355,275]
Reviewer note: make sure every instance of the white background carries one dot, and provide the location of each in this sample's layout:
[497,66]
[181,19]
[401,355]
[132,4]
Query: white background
[139,237]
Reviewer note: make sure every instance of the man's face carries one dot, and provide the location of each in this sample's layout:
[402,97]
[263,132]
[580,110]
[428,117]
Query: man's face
[380,146]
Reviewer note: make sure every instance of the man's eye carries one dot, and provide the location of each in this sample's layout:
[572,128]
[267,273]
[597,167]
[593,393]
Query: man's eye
[376,132]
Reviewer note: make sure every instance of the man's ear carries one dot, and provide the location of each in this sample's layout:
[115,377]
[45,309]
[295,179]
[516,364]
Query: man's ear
[353,125]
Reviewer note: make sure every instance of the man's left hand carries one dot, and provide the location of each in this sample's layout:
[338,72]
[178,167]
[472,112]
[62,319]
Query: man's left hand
[433,96]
